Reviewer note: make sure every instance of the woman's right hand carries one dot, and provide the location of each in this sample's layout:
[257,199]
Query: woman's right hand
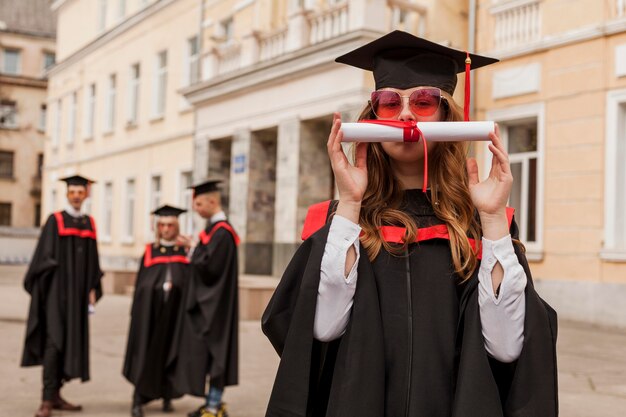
[351,180]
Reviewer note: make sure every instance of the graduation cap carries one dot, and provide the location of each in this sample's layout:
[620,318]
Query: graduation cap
[166,211]
[401,60]
[206,187]
[77,180]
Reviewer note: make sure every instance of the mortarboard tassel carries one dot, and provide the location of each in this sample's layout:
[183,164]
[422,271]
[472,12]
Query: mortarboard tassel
[466,104]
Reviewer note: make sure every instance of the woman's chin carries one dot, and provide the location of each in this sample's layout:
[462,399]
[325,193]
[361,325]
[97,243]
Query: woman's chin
[405,152]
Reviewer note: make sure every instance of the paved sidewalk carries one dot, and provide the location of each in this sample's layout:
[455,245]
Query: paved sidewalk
[592,367]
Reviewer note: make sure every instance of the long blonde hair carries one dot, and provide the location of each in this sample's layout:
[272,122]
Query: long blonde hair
[449,190]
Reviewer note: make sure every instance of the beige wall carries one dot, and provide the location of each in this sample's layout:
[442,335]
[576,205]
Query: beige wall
[153,145]
[28,91]
[79,21]
[572,64]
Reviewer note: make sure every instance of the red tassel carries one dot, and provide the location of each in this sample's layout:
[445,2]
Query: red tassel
[425,165]
[466,105]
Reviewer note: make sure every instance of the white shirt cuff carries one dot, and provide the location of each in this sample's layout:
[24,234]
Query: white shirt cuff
[502,251]
[343,234]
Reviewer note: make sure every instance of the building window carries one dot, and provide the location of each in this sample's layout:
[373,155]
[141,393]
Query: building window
[5,214]
[160,85]
[129,214]
[107,210]
[37,219]
[133,94]
[522,132]
[155,192]
[185,200]
[90,111]
[56,130]
[53,199]
[49,59]
[11,61]
[40,165]
[102,15]
[43,113]
[192,71]
[6,164]
[110,105]
[615,177]
[8,114]
[227,30]
[121,9]
[71,123]
[521,142]
[88,203]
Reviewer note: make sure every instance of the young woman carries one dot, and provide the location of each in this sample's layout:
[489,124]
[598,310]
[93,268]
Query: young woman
[151,351]
[411,295]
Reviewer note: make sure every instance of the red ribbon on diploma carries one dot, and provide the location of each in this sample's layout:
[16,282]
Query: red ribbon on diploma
[411,133]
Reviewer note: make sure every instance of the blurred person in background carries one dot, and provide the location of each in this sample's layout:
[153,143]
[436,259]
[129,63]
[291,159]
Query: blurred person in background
[63,280]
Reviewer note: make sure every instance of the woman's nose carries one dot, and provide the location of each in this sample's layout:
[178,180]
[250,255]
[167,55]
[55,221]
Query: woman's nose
[406,114]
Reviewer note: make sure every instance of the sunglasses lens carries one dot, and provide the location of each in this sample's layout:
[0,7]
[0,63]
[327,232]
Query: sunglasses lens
[425,101]
[386,104]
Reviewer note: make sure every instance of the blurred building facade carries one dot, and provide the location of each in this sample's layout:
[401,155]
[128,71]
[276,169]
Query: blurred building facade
[115,116]
[27,48]
[559,95]
[269,88]
[149,96]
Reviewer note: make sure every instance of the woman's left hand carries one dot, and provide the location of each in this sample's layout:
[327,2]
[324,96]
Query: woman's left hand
[491,195]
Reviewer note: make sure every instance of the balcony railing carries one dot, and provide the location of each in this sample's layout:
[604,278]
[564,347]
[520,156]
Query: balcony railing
[329,23]
[517,25]
[229,57]
[272,44]
[311,25]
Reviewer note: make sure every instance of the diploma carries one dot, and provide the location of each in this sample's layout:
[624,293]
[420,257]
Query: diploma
[411,132]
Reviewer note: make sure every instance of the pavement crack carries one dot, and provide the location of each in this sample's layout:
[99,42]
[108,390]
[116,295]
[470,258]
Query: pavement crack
[12,320]
[591,384]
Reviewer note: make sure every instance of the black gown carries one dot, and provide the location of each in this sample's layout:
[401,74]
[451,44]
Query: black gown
[414,345]
[208,329]
[64,269]
[151,349]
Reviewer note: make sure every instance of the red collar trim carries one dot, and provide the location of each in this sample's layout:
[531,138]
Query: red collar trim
[318,213]
[205,237]
[71,231]
[148,260]
[315,219]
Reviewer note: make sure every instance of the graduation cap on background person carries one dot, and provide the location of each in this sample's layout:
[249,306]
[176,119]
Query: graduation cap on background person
[166,211]
[402,60]
[77,180]
[207,186]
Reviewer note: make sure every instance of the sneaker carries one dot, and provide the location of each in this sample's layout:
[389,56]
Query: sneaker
[197,413]
[221,412]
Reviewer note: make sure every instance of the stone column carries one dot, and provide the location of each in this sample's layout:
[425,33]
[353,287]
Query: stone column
[286,237]
[261,203]
[201,159]
[239,183]
[315,182]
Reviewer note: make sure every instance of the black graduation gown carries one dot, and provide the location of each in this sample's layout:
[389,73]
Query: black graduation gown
[417,355]
[208,329]
[151,348]
[64,269]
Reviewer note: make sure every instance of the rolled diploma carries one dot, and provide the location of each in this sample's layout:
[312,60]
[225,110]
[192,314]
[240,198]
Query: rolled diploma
[432,131]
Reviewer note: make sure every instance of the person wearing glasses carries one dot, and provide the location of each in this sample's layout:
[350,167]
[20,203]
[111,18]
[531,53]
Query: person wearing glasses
[411,295]
[157,305]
